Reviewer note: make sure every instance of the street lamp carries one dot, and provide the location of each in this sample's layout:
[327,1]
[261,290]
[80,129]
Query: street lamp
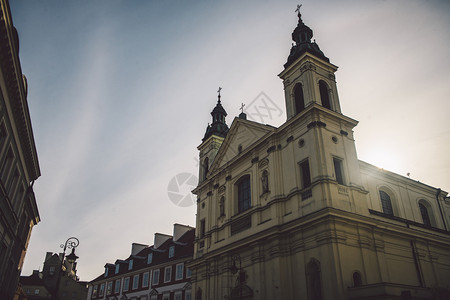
[234,269]
[71,243]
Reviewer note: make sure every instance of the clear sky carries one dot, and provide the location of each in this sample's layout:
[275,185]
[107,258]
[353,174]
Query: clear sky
[120,93]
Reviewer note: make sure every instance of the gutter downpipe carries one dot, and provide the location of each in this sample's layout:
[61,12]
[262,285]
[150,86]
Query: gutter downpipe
[440,209]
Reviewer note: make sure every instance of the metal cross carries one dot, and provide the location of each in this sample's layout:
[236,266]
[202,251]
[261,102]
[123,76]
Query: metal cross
[219,90]
[298,8]
[242,107]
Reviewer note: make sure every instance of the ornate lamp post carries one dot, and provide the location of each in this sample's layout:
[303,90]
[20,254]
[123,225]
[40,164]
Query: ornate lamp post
[71,243]
[234,269]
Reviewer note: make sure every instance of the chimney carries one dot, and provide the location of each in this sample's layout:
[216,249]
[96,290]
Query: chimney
[136,248]
[160,239]
[179,230]
[47,256]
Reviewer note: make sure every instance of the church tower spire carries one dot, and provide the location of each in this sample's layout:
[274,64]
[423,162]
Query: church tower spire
[214,136]
[218,126]
[308,75]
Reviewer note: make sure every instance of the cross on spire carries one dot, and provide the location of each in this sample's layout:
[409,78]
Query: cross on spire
[298,8]
[242,107]
[218,91]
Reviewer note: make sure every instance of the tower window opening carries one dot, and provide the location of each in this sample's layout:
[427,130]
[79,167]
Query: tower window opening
[386,203]
[299,98]
[338,170]
[324,95]
[305,174]
[357,280]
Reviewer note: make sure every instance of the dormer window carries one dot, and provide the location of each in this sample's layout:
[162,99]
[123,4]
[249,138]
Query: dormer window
[106,272]
[130,264]
[117,268]
[171,251]
[149,258]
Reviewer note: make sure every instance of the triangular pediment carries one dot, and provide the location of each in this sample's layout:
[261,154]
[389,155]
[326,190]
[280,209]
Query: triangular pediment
[242,134]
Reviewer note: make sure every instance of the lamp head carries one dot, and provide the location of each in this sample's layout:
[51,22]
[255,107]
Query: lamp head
[71,258]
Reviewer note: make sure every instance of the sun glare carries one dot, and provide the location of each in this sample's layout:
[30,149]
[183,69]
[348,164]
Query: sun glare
[384,159]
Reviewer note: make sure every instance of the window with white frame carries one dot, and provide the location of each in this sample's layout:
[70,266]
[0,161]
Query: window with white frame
[117,268]
[126,284]
[145,279]
[155,277]
[102,290]
[149,258]
[178,295]
[130,264]
[171,251]
[135,281]
[167,274]
[94,291]
[179,271]
[109,288]
[106,271]
[117,286]
[188,273]
[187,295]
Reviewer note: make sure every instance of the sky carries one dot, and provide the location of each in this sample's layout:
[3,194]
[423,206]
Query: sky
[120,94]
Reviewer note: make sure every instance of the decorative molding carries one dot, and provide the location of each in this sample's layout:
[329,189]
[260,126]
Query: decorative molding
[263,163]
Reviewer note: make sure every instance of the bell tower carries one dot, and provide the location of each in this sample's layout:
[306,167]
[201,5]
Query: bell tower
[214,136]
[326,157]
[308,75]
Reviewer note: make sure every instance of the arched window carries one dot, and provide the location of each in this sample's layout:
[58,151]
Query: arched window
[244,194]
[386,204]
[426,212]
[313,280]
[299,99]
[324,96]
[357,280]
[205,168]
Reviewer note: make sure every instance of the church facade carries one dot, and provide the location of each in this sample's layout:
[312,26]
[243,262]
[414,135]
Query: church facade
[291,213]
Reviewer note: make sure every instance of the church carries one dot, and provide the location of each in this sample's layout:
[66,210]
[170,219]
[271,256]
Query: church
[292,213]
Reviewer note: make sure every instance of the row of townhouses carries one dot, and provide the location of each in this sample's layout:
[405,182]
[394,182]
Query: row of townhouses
[155,272]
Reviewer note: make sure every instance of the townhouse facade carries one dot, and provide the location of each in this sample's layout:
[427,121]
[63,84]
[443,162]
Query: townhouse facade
[156,272]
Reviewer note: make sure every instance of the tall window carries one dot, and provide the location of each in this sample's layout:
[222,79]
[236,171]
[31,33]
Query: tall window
[155,277]
[244,195]
[167,274]
[305,174]
[171,251]
[313,280]
[425,216]
[338,170]
[117,268]
[179,272]
[386,204]
[126,284]
[145,279]
[130,264]
[117,287]
[94,291]
[102,290]
[149,258]
[135,281]
[205,167]
[109,288]
[299,99]
[202,228]
[324,96]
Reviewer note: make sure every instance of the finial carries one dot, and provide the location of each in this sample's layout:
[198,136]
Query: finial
[242,107]
[298,10]
[219,94]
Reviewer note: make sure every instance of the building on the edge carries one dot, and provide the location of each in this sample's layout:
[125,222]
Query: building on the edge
[42,285]
[156,272]
[291,213]
[19,166]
